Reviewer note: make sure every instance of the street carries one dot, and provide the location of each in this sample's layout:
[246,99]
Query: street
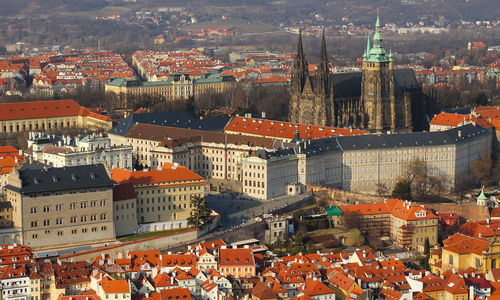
[235,211]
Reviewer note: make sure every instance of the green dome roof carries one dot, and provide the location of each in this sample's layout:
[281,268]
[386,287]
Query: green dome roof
[482,196]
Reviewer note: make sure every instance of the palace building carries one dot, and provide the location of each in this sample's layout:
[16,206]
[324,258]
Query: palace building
[49,116]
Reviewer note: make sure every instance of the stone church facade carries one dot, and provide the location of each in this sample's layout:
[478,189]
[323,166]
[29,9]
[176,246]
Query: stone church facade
[379,99]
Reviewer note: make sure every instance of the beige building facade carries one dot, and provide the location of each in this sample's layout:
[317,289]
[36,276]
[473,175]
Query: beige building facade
[362,163]
[209,154]
[62,206]
[163,194]
[49,116]
[176,87]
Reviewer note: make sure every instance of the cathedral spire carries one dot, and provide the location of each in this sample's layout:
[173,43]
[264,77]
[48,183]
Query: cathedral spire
[300,69]
[321,83]
[377,52]
[367,50]
[323,56]
[300,48]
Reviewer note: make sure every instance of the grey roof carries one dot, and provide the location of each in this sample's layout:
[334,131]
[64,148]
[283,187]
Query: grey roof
[413,139]
[310,148]
[458,110]
[380,141]
[171,118]
[349,84]
[56,179]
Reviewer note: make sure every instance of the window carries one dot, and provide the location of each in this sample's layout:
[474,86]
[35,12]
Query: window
[450,259]
[59,233]
[46,222]
[83,204]
[33,210]
[58,207]
[72,205]
[83,219]
[59,221]
[46,208]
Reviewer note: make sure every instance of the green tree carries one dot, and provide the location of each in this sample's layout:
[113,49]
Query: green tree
[355,238]
[482,168]
[402,189]
[201,212]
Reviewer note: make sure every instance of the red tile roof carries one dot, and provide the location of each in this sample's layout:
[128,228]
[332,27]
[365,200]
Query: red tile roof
[341,281]
[171,294]
[44,109]
[376,208]
[181,260]
[115,286]
[461,244]
[168,174]
[313,287]
[285,130]
[15,254]
[236,257]
[123,191]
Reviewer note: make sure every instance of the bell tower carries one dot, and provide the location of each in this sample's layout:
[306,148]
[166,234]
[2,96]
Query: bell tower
[377,86]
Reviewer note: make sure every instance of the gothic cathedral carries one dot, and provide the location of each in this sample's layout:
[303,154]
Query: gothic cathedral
[378,99]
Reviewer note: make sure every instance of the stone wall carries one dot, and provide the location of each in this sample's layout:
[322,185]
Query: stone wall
[341,197]
[468,211]
[154,243]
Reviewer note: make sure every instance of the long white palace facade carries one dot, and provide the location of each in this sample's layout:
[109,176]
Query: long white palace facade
[364,162]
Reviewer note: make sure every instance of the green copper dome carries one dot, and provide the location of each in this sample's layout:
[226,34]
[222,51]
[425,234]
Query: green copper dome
[377,52]
[482,196]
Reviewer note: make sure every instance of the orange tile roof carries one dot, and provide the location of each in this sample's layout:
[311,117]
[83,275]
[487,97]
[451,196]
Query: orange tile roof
[449,119]
[454,284]
[285,130]
[409,212]
[481,228]
[313,287]
[168,174]
[181,260]
[236,257]
[461,244]
[115,286]
[44,109]
[390,294]
[171,294]
[164,280]
[341,281]
[432,283]
[12,254]
[376,208]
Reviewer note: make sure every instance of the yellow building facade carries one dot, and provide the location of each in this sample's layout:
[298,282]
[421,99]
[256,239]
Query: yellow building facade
[49,116]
